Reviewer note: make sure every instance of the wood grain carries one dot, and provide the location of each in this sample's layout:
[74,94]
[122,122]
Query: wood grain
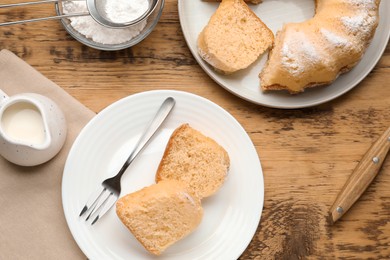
[306,154]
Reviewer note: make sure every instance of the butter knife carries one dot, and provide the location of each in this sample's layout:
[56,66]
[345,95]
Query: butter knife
[361,177]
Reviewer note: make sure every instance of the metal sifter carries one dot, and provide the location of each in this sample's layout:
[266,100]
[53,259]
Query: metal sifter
[95,10]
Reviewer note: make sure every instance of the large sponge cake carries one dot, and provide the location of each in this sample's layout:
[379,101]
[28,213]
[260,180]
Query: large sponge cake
[161,214]
[234,37]
[315,52]
[194,159]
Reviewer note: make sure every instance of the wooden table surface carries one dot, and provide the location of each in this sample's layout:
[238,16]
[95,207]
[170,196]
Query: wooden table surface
[306,154]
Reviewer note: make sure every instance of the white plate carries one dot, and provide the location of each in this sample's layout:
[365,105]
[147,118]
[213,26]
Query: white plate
[231,216]
[195,14]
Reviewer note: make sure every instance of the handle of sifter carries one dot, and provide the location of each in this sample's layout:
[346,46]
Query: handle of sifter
[41,18]
[361,177]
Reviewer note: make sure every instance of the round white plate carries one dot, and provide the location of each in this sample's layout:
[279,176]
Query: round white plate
[195,14]
[231,216]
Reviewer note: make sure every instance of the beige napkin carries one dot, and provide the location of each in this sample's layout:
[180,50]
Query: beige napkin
[32,221]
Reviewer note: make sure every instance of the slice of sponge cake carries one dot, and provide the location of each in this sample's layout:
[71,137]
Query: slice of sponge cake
[234,37]
[194,159]
[161,214]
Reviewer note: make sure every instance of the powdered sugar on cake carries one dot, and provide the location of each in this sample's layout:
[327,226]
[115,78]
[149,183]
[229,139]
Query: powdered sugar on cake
[295,59]
[365,3]
[361,24]
[334,38]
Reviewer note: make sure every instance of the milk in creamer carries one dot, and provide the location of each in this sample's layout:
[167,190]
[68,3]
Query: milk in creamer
[23,122]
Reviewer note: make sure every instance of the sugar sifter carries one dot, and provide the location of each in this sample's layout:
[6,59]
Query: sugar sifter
[96,9]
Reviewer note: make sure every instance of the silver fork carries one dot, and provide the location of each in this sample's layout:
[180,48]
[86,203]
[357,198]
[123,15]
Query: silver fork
[102,200]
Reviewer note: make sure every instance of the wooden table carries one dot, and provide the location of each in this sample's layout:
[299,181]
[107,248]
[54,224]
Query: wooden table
[306,154]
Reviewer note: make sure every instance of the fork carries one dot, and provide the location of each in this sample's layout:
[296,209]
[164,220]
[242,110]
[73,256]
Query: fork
[103,199]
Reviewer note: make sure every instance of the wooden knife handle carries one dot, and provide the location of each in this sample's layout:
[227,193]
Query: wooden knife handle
[361,177]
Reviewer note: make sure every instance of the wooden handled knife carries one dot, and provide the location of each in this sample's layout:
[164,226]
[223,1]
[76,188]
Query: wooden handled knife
[361,177]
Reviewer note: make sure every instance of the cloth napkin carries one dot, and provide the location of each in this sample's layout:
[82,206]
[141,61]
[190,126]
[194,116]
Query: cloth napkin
[32,221]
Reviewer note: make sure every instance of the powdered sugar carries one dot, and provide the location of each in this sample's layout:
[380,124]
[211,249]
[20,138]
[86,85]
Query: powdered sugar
[365,3]
[297,52]
[122,11]
[334,38]
[88,27]
[361,23]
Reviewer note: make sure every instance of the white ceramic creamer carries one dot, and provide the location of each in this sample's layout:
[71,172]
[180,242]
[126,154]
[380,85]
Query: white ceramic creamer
[32,128]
